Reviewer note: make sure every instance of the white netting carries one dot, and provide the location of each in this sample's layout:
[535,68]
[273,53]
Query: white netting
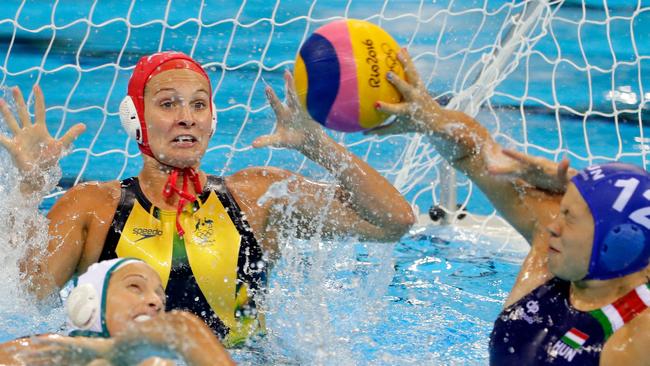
[564,84]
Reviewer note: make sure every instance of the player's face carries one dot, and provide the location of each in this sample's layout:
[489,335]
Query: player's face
[177,112]
[134,294]
[572,237]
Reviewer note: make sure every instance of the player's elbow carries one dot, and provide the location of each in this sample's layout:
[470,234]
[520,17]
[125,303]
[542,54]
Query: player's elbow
[399,225]
[37,280]
[405,221]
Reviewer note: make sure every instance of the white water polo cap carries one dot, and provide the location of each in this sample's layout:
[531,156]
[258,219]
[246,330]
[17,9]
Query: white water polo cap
[86,304]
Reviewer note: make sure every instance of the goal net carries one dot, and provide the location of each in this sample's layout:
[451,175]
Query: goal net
[552,78]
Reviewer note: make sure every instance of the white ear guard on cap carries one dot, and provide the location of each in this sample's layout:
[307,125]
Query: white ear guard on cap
[82,306]
[131,121]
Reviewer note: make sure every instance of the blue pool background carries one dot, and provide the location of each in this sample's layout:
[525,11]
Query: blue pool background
[446,289]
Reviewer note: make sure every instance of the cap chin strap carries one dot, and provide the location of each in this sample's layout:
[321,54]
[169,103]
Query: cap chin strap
[170,187]
[185,196]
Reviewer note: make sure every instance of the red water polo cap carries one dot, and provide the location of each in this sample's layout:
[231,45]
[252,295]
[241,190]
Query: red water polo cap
[150,66]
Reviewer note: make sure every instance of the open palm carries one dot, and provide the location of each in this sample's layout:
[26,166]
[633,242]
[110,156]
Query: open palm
[294,128]
[32,147]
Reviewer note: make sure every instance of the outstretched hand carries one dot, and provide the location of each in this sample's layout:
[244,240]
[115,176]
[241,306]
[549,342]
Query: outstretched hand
[32,147]
[536,171]
[294,128]
[417,111]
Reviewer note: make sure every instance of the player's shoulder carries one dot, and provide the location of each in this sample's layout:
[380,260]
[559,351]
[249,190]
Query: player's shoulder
[630,343]
[261,173]
[250,184]
[95,189]
[90,195]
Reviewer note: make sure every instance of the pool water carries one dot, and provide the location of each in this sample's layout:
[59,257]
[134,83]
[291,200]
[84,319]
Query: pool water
[431,298]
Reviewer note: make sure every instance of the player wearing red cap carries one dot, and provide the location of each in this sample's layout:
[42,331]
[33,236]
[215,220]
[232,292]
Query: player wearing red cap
[209,238]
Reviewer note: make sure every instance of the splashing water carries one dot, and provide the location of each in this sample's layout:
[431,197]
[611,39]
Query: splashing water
[18,310]
[323,293]
[431,298]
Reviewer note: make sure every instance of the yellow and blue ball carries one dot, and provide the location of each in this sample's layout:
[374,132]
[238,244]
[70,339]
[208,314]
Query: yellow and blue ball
[340,73]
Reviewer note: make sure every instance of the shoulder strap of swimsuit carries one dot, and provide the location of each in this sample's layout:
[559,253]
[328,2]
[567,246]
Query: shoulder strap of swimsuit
[218,186]
[615,315]
[251,263]
[553,288]
[128,195]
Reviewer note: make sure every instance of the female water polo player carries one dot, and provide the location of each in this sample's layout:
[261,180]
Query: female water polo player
[582,292]
[209,238]
[117,307]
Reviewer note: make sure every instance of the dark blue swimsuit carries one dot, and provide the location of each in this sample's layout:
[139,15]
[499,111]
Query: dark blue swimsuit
[544,329]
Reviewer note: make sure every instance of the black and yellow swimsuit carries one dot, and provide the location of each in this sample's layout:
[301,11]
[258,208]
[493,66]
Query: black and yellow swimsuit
[214,271]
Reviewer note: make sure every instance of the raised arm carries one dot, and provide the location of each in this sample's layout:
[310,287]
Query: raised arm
[468,147]
[77,227]
[363,202]
[35,153]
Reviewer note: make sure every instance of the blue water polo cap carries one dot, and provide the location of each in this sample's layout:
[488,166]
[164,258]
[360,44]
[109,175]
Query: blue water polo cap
[618,196]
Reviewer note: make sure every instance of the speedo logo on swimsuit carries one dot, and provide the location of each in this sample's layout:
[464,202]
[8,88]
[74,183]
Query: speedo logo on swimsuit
[146,233]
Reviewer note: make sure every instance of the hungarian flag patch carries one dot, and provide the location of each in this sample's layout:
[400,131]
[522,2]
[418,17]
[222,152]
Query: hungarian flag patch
[574,338]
